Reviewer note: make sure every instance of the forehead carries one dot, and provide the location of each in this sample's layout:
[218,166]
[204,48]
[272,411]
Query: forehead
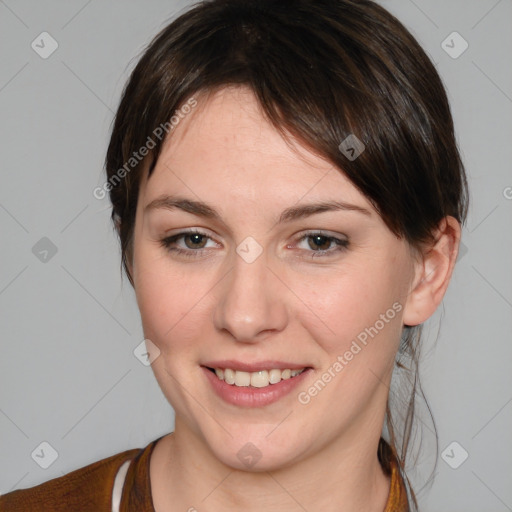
[226,150]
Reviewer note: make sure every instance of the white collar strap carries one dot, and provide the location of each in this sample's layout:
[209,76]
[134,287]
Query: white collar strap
[117,490]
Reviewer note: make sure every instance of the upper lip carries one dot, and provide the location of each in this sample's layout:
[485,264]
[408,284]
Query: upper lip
[254,366]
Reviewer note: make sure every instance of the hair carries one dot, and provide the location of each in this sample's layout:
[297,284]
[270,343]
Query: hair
[321,70]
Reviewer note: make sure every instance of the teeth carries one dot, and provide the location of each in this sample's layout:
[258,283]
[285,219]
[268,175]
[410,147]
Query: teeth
[229,376]
[242,379]
[274,376]
[259,379]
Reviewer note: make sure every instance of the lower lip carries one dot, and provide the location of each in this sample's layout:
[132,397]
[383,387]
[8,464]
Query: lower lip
[253,397]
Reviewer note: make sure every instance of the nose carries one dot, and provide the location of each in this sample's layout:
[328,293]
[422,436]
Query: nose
[252,301]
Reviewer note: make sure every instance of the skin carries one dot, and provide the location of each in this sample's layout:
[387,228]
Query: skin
[285,305]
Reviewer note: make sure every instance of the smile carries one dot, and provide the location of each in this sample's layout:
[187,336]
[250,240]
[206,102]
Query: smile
[259,379]
[256,383]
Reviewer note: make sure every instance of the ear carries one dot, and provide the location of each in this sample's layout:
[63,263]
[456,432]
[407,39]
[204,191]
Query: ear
[433,273]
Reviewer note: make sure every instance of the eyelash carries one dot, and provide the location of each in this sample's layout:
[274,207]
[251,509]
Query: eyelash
[167,243]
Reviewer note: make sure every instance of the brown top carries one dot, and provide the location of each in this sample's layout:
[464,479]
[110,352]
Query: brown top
[89,489]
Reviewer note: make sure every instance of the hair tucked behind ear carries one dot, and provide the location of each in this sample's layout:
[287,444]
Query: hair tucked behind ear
[407,369]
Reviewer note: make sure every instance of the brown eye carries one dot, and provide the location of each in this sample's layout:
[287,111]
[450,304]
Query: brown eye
[323,245]
[197,241]
[319,242]
[187,243]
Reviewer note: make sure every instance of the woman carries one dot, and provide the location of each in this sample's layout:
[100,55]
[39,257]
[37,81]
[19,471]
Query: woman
[289,197]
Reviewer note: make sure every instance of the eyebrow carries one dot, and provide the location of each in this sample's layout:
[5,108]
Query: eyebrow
[202,209]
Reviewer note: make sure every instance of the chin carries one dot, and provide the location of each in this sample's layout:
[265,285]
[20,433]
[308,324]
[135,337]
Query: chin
[257,453]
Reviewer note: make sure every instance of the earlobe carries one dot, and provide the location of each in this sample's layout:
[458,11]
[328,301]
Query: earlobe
[433,273]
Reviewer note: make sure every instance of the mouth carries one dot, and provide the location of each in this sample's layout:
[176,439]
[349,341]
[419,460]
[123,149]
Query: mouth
[235,384]
[254,383]
[258,379]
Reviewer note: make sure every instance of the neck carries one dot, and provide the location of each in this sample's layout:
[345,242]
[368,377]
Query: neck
[347,471]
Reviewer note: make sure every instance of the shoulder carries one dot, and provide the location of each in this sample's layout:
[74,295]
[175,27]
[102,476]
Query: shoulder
[83,490]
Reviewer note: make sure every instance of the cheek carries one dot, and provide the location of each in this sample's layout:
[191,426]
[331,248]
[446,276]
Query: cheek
[171,305]
[360,304]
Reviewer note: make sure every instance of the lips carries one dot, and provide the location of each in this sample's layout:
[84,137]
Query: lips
[254,384]
[245,394]
[254,367]
[258,379]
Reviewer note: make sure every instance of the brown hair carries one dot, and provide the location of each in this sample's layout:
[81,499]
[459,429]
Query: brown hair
[322,70]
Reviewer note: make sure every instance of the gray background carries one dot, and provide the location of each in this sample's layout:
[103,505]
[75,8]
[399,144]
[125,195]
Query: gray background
[69,325]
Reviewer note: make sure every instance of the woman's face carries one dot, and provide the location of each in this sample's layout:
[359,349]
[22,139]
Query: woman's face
[263,287]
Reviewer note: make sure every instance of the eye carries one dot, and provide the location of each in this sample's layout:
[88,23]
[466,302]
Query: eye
[323,245]
[195,243]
